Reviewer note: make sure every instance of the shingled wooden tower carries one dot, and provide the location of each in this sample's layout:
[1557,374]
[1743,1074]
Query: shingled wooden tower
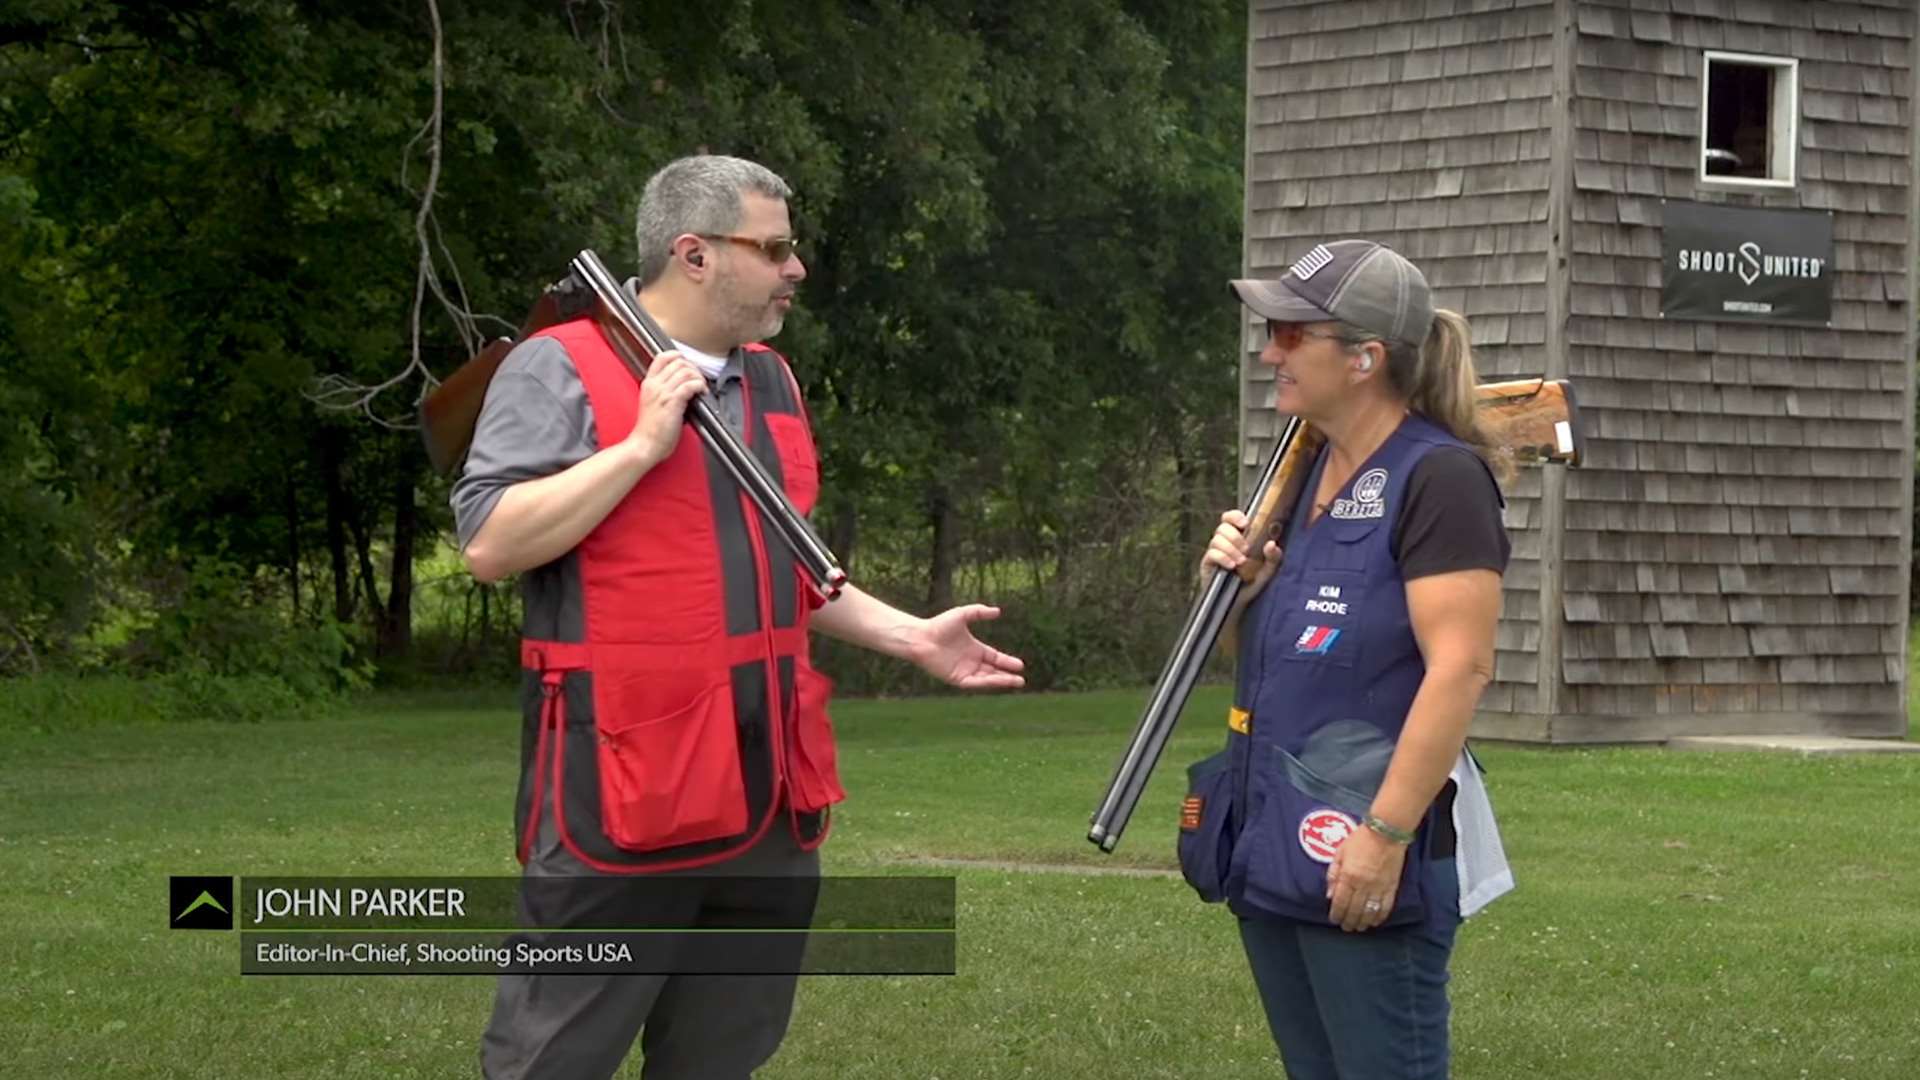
[1703,213]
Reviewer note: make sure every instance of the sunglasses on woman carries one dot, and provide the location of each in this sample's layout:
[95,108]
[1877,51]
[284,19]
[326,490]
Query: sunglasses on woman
[1289,335]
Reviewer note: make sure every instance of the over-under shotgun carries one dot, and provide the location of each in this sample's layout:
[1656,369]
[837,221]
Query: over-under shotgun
[448,415]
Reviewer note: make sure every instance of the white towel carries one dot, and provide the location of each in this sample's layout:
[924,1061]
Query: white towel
[1480,857]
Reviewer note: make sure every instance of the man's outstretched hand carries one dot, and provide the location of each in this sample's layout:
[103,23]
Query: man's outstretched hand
[947,650]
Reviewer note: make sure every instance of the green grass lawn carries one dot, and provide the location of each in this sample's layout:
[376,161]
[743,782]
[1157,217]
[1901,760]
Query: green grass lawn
[1679,914]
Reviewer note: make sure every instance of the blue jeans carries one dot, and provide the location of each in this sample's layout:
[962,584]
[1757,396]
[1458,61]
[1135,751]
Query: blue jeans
[1365,1006]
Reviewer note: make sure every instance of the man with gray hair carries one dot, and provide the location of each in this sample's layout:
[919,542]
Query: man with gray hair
[677,763]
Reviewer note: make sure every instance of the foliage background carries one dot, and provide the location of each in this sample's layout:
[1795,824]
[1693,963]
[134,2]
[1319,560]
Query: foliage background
[1018,218]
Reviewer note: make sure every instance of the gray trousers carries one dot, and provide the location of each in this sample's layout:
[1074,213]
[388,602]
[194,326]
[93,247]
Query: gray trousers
[713,1027]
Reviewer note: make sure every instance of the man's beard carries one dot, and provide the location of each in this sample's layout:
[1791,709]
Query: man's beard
[747,320]
[770,324]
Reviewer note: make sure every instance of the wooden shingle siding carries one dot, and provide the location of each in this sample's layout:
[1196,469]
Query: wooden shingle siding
[1424,126]
[1773,455]
[1734,555]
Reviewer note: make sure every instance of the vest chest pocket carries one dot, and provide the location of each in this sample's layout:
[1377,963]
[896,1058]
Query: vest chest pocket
[1346,546]
[1324,619]
[799,467]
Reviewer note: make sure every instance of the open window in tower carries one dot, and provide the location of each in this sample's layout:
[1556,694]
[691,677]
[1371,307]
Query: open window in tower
[1749,119]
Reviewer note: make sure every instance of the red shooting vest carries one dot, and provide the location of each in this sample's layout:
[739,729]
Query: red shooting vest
[670,712]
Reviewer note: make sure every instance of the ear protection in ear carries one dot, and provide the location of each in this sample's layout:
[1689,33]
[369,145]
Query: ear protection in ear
[696,259]
[1366,362]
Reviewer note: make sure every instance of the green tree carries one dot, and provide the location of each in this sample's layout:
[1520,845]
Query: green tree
[1017,217]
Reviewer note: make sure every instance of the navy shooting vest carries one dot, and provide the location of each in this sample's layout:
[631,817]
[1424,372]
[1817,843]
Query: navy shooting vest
[1328,668]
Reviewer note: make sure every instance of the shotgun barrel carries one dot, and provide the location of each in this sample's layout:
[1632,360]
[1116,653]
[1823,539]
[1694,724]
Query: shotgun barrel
[637,339]
[1205,619]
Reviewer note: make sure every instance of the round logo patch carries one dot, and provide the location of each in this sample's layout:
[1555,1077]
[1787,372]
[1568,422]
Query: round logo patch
[1322,832]
[1371,485]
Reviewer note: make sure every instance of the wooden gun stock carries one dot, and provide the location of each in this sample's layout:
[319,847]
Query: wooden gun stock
[1534,420]
[448,415]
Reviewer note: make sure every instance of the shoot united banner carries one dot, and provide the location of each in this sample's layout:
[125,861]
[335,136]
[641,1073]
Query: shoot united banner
[1745,264]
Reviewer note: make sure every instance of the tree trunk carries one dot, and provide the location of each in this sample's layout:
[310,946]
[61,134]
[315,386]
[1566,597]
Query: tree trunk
[332,466]
[293,544]
[940,573]
[363,553]
[396,628]
[842,530]
[1209,478]
[1206,476]
[1186,483]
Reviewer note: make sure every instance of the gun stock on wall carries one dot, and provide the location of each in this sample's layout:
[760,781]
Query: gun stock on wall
[1535,419]
[449,414]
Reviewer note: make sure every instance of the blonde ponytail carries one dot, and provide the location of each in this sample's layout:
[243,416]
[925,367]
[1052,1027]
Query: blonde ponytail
[1443,388]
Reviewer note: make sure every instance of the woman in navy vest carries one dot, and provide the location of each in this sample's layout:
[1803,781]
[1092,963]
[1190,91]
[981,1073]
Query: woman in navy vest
[1345,824]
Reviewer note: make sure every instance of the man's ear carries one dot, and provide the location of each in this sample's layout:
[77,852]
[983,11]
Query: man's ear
[690,251]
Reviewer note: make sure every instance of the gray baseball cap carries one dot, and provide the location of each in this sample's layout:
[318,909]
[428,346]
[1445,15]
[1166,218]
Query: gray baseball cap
[1356,282]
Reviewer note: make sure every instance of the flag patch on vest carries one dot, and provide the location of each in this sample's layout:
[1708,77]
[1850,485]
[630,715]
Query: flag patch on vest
[1190,813]
[1316,639]
[1322,831]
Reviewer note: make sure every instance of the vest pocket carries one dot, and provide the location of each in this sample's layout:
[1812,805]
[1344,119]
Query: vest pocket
[814,772]
[673,777]
[1325,623]
[1302,825]
[1346,548]
[1206,840]
[798,466]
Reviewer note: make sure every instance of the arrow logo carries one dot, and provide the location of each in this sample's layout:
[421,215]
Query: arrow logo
[205,899]
[201,903]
